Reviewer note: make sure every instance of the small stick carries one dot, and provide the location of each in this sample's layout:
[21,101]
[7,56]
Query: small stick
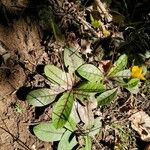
[103,10]
[89,26]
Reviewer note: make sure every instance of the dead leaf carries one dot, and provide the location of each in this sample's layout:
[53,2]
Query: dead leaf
[85,113]
[105,65]
[140,122]
[86,46]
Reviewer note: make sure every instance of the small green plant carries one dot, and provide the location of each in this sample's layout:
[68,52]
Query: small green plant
[16,107]
[124,137]
[95,23]
[73,94]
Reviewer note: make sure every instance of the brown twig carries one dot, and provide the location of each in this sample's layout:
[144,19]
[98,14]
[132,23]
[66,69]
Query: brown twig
[88,26]
[103,10]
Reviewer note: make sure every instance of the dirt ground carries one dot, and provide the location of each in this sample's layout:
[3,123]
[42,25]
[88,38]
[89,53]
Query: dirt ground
[21,52]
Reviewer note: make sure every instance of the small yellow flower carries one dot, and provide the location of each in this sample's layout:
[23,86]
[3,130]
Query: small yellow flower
[106,33]
[136,72]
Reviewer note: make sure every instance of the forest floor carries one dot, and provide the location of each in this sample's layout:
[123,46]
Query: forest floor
[27,46]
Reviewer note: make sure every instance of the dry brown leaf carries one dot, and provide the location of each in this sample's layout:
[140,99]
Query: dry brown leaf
[104,65]
[140,122]
[84,112]
[86,46]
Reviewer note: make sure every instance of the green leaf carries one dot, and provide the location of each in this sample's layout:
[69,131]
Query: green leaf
[133,85]
[107,97]
[41,97]
[62,110]
[88,143]
[58,77]
[124,74]
[82,95]
[96,128]
[72,59]
[67,142]
[91,87]
[121,75]
[90,72]
[119,65]
[134,90]
[47,132]
[83,148]
[71,124]
[95,23]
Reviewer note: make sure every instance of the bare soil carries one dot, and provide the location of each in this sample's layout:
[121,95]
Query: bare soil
[21,50]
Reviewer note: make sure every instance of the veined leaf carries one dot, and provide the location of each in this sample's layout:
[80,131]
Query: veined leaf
[91,87]
[133,85]
[83,148]
[124,74]
[71,124]
[96,128]
[90,72]
[67,142]
[72,59]
[88,143]
[47,132]
[58,77]
[62,110]
[107,97]
[82,95]
[119,65]
[121,75]
[41,97]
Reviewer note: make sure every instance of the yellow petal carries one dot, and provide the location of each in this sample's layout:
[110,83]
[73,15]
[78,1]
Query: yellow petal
[106,33]
[142,77]
[135,68]
[140,70]
[137,72]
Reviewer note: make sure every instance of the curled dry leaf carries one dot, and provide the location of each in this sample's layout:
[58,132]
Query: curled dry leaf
[140,122]
[86,46]
[105,65]
[84,112]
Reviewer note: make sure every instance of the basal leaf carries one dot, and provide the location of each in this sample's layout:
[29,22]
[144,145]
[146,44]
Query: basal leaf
[58,77]
[88,143]
[90,72]
[83,148]
[72,59]
[71,124]
[78,94]
[133,85]
[124,74]
[41,97]
[121,75]
[62,110]
[96,128]
[67,142]
[91,87]
[47,132]
[107,97]
[119,65]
